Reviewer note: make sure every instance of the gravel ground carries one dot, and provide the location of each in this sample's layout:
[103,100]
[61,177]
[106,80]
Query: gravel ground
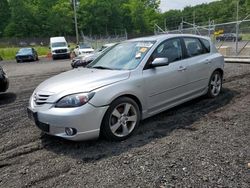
[202,143]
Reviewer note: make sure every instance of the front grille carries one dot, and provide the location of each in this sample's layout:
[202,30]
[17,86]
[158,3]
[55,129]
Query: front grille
[24,57]
[61,51]
[40,99]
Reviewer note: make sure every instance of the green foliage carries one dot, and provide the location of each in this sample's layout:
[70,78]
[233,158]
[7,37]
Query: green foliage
[4,15]
[45,18]
[219,11]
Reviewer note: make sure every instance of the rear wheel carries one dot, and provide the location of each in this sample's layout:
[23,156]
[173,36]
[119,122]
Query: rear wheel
[215,85]
[121,119]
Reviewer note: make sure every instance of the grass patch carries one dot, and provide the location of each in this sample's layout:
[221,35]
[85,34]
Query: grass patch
[245,36]
[8,53]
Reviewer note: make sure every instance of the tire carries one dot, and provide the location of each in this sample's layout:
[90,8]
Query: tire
[215,85]
[118,125]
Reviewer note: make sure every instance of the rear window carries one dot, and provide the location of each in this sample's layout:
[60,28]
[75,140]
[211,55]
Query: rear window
[206,44]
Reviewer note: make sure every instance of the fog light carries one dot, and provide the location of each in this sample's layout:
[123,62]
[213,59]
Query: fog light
[70,131]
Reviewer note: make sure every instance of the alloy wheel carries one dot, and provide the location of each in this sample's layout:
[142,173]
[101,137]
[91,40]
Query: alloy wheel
[123,119]
[215,84]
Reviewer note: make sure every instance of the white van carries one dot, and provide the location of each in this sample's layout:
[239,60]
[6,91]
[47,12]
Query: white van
[59,47]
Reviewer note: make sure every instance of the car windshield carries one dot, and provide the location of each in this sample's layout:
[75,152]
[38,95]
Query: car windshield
[83,46]
[58,44]
[123,56]
[25,50]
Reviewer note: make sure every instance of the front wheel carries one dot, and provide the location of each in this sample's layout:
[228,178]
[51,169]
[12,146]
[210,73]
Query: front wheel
[215,85]
[121,119]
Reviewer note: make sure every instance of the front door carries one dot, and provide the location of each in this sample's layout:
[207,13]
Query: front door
[166,85]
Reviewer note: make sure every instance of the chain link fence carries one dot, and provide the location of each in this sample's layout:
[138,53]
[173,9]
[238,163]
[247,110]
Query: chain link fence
[232,39]
[97,41]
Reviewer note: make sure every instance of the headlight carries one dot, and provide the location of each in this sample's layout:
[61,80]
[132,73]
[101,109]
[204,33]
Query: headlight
[74,100]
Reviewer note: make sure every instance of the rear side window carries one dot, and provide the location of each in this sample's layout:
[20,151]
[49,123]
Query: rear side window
[193,47]
[206,44]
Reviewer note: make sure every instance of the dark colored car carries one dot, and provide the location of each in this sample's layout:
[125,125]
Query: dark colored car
[4,82]
[228,37]
[82,61]
[26,54]
[85,60]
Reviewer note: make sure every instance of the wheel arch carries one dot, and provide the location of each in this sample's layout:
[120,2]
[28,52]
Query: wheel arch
[133,97]
[220,71]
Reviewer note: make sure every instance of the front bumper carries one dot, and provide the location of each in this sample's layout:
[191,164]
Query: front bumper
[24,58]
[86,120]
[61,55]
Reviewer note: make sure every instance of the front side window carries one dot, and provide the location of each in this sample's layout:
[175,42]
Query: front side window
[170,49]
[123,56]
[193,47]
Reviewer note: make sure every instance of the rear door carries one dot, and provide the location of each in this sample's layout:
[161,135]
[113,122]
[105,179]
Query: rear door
[198,60]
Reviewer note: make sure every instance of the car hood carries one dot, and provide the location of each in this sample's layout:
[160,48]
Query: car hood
[86,50]
[81,80]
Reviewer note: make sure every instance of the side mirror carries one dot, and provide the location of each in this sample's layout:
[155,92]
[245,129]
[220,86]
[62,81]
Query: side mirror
[158,62]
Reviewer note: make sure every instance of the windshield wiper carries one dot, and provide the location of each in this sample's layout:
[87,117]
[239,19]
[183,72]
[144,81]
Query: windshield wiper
[101,67]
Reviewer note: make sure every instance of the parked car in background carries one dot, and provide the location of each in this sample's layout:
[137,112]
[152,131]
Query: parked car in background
[106,46]
[26,54]
[83,60]
[59,48]
[134,80]
[4,82]
[83,49]
[228,37]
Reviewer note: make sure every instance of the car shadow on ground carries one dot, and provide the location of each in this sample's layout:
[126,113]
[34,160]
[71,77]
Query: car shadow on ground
[158,126]
[7,98]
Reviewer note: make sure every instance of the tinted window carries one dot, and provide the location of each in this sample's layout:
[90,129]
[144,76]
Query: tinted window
[170,49]
[206,44]
[193,47]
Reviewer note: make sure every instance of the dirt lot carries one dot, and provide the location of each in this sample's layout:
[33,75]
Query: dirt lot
[203,143]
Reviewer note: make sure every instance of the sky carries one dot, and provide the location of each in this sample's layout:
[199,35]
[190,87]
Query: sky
[180,4]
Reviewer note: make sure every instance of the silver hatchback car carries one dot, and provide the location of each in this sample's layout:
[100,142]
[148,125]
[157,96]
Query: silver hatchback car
[132,81]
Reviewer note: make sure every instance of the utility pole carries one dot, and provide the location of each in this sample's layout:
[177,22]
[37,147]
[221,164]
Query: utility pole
[194,22]
[76,26]
[165,24]
[181,27]
[237,27]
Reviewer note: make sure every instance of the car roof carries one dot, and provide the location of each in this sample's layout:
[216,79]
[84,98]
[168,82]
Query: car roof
[166,36]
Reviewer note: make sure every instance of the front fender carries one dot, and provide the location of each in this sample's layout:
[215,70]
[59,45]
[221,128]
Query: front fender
[105,95]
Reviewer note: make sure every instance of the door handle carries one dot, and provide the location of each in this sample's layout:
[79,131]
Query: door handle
[182,68]
[208,61]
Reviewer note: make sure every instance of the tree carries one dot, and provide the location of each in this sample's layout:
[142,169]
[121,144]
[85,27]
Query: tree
[21,21]
[4,15]
[60,20]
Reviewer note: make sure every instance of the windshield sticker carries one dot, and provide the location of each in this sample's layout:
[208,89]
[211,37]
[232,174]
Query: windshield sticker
[138,56]
[144,44]
[143,50]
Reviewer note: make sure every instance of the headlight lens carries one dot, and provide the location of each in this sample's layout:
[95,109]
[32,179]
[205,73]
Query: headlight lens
[74,100]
